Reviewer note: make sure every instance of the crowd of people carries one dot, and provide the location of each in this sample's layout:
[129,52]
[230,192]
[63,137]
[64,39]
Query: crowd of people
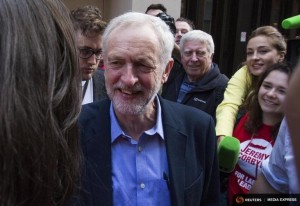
[134,111]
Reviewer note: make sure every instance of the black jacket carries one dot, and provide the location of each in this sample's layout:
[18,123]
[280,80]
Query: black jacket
[190,145]
[208,94]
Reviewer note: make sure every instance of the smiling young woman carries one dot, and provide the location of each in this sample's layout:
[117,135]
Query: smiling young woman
[266,46]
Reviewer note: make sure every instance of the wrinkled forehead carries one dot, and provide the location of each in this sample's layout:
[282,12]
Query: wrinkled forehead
[136,31]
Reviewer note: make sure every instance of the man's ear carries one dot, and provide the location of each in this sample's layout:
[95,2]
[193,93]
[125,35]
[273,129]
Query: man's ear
[167,71]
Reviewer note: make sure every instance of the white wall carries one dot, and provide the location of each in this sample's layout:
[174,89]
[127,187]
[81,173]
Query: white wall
[114,8]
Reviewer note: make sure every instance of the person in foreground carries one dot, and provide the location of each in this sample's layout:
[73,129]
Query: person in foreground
[140,149]
[39,104]
[292,111]
[279,173]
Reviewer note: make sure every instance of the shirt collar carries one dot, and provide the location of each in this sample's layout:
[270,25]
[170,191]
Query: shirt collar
[116,130]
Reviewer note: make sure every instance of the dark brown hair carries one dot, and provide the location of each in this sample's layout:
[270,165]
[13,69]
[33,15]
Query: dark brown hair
[156,6]
[88,20]
[39,104]
[276,38]
[189,22]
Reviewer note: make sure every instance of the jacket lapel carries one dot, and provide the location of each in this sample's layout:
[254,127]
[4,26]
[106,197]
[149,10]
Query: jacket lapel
[175,146]
[97,149]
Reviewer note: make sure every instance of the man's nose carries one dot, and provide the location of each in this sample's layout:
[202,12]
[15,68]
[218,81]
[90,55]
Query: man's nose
[92,60]
[129,76]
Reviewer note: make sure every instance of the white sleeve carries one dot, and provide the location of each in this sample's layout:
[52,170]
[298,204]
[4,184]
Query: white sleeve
[274,168]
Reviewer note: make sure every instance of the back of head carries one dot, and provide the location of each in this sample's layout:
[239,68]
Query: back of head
[168,20]
[39,103]
[156,7]
[276,38]
[135,19]
[198,35]
[88,20]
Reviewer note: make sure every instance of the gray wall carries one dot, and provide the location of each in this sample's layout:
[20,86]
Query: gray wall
[112,8]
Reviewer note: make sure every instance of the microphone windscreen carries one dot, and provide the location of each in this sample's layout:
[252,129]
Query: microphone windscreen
[228,153]
[291,23]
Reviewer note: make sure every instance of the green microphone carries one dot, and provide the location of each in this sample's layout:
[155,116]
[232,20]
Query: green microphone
[291,23]
[228,153]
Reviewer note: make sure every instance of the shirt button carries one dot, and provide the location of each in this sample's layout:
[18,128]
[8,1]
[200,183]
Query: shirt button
[142,185]
[140,148]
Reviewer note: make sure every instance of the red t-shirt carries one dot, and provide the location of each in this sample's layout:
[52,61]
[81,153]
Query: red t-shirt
[253,150]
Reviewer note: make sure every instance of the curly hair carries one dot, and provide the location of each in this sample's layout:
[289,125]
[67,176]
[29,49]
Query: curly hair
[39,104]
[88,20]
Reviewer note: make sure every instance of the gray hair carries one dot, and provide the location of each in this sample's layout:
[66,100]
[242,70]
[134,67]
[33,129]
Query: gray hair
[198,35]
[162,31]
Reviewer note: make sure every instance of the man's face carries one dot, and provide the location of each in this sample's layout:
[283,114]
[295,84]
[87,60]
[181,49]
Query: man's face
[133,71]
[181,28]
[154,12]
[196,59]
[88,66]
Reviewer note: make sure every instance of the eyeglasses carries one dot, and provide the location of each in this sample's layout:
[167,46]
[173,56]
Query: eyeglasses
[86,53]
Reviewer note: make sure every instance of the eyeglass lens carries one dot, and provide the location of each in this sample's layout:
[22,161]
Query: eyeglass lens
[86,53]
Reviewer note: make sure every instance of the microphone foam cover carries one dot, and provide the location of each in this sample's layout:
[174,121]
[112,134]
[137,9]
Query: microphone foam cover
[291,23]
[228,153]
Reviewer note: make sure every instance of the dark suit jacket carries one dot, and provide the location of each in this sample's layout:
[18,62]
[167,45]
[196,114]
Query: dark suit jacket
[99,91]
[191,151]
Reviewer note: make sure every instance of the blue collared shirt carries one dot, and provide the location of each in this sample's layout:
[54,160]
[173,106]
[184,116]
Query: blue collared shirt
[140,168]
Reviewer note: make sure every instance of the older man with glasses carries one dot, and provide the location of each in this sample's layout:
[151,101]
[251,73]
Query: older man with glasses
[89,28]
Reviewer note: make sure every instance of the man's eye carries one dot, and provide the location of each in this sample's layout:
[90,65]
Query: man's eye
[98,53]
[200,53]
[86,51]
[114,64]
[145,68]
[188,53]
